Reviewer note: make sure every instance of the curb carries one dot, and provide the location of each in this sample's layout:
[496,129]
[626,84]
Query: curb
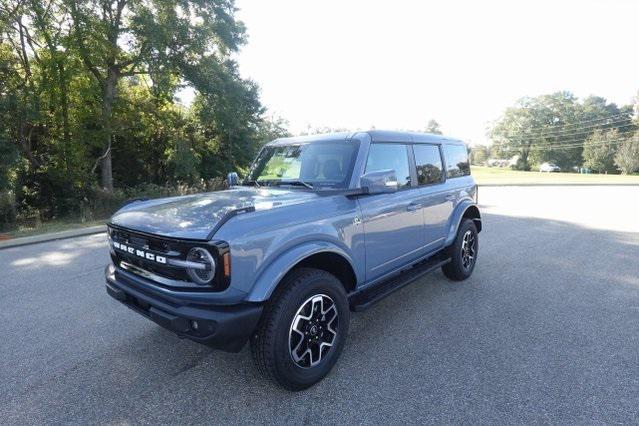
[35,239]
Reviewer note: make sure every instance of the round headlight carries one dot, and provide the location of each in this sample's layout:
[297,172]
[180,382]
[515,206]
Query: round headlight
[203,275]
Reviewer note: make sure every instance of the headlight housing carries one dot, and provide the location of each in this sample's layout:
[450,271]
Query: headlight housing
[201,276]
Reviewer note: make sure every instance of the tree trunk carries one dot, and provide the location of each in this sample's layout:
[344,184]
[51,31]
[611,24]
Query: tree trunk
[109,92]
[106,174]
[64,101]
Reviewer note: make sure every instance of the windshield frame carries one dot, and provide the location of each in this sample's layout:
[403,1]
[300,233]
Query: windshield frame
[297,182]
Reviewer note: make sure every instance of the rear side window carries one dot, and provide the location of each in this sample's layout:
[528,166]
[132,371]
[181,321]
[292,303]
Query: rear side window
[386,156]
[429,164]
[457,164]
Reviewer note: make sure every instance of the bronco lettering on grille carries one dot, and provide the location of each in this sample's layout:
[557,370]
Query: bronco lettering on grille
[140,253]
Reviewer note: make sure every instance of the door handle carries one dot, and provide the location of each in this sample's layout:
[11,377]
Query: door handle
[413,206]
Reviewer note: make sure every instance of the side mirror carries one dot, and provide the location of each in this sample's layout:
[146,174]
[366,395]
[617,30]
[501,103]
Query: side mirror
[379,182]
[232,179]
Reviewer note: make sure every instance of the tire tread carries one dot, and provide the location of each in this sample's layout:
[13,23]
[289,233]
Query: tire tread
[453,270]
[262,342]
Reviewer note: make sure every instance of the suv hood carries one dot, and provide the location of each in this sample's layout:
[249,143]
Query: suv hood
[196,216]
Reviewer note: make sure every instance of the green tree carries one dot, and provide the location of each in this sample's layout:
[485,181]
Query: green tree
[627,157]
[433,127]
[479,154]
[36,79]
[74,72]
[8,101]
[599,150]
[554,128]
[318,130]
[167,40]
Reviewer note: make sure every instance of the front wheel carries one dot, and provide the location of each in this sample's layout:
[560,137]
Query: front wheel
[303,329]
[463,252]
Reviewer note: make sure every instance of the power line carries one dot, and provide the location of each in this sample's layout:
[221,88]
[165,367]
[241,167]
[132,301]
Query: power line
[614,116]
[573,146]
[583,129]
[621,114]
[567,132]
[578,144]
[571,137]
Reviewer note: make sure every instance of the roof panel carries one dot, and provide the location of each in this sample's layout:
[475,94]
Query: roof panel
[375,135]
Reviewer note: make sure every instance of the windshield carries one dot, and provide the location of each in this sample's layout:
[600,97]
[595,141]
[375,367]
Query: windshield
[316,164]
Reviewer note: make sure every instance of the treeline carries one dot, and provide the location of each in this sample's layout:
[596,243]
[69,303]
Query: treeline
[89,104]
[572,133]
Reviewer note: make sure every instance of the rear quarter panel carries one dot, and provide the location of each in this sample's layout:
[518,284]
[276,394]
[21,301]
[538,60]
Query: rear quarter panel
[464,191]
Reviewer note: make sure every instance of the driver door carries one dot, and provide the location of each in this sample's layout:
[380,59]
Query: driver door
[393,223]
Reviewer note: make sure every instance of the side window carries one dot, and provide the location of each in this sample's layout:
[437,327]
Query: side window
[457,164]
[385,156]
[429,164]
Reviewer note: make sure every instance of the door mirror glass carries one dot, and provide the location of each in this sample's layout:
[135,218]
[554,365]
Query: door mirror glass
[379,182]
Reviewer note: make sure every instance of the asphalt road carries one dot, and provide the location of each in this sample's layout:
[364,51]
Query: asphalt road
[546,330]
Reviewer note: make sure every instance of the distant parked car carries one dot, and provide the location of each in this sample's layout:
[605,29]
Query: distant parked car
[495,162]
[549,168]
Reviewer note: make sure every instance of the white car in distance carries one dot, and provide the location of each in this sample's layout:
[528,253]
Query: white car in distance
[549,168]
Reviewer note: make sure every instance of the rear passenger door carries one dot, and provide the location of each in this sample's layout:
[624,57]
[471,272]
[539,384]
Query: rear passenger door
[393,223]
[433,197]
[457,172]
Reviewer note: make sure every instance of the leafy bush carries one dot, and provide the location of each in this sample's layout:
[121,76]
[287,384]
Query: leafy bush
[627,158]
[599,151]
[7,209]
[94,203]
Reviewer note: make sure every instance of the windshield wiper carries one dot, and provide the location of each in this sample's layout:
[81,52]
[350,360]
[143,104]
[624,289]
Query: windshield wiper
[293,182]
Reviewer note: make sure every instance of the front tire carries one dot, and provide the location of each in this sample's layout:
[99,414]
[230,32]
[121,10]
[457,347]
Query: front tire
[303,329]
[463,252]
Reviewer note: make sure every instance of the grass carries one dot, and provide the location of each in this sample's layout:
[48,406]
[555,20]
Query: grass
[53,226]
[505,176]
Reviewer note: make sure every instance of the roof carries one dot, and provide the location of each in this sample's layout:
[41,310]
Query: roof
[312,138]
[375,135]
[395,136]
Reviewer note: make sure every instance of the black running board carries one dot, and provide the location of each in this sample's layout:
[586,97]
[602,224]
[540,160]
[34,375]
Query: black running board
[365,298]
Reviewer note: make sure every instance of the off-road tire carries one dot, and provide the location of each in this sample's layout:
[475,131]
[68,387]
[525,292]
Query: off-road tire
[271,345]
[456,269]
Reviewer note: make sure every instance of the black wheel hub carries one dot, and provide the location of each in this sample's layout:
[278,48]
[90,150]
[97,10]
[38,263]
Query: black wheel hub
[468,249]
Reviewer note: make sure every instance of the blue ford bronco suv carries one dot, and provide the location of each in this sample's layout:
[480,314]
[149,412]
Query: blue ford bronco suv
[321,226]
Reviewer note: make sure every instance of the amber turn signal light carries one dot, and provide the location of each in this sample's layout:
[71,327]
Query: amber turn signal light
[227,264]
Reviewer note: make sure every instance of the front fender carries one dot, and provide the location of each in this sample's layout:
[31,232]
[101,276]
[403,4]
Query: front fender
[456,218]
[270,277]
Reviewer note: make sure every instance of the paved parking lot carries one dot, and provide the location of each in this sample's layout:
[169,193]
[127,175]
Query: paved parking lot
[546,330]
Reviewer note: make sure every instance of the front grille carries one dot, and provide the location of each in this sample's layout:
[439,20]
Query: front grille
[145,249]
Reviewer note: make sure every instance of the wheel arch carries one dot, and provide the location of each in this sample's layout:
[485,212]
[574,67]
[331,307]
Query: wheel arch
[324,257]
[466,210]
[332,263]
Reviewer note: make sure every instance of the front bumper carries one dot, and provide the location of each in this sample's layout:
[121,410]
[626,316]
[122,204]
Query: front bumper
[221,327]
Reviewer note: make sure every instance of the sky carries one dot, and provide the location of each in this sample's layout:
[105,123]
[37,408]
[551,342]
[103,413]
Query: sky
[394,65]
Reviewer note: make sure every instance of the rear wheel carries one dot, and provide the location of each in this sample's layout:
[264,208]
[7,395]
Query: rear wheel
[303,329]
[463,252]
